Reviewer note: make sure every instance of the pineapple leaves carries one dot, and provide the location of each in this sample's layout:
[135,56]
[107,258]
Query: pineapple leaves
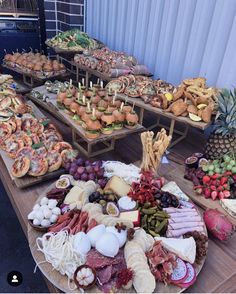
[218,114]
[225,120]
[224,93]
[221,106]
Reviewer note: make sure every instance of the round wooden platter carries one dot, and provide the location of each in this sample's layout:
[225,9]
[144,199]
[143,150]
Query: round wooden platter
[61,282]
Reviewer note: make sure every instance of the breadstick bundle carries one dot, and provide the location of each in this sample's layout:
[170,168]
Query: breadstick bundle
[153,149]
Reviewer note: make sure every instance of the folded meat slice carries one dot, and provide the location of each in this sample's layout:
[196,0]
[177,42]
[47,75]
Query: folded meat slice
[97,260]
[104,274]
[179,232]
[185,219]
[181,225]
[183,214]
[180,210]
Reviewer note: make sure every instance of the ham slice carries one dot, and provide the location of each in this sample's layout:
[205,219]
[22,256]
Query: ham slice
[183,213]
[176,226]
[185,219]
[179,210]
[180,232]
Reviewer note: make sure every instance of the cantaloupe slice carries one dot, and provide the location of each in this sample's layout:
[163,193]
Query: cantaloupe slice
[169,96]
[194,117]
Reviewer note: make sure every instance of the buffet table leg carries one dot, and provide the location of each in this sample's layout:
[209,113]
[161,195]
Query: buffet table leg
[182,137]
[141,115]
[88,152]
[30,83]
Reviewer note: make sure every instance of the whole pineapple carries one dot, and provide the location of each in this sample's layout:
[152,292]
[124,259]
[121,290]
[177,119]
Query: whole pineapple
[223,138]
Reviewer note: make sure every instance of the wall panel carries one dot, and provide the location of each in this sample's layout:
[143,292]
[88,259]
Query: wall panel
[176,39]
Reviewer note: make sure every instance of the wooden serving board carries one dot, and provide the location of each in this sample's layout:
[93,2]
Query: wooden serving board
[177,175]
[61,281]
[140,103]
[36,78]
[27,180]
[51,106]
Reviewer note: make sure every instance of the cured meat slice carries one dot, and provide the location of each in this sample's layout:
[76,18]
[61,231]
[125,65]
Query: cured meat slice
[104,274]
[98,261]
[110,287]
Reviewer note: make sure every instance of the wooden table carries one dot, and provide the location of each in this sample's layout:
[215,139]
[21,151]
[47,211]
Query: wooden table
[160,113]
[219,271]
[78,133]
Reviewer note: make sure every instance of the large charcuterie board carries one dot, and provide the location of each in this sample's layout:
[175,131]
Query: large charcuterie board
[61,282]
[28,181]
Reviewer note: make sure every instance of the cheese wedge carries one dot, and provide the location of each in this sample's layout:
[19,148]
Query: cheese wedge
[174,189]
[73,195]
[118,186]
[229,205]
[133,216]
[183,248]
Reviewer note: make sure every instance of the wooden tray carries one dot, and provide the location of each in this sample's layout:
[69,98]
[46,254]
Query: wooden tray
[51,106]
[36,78]
[140,103]
[177,175]
[27,180]
[59,50]
[61,282]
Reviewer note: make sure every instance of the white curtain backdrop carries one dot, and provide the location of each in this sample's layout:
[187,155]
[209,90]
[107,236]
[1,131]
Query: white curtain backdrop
[176,39]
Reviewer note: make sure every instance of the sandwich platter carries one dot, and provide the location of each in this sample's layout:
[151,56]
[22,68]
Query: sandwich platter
[110,227]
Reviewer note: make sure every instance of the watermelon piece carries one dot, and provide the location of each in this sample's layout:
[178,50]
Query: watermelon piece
[191,277]
[180,272]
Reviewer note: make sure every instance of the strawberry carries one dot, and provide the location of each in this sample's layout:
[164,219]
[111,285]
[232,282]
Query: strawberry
[213,182]
[206,179]
[215,176]
[228,173]
[221,195]
[226,193]
[207,193]
[220,188]
[213,188]
[218,183]
[223,180]
[214,195]
[226,186]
